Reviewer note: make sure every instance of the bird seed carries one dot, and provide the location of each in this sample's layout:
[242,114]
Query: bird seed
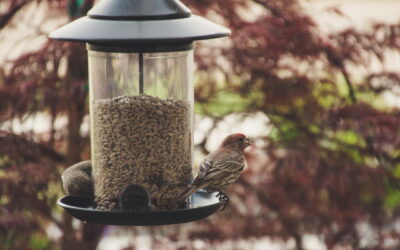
[141,140]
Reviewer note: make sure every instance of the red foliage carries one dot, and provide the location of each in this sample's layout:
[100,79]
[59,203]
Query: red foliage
[333,164]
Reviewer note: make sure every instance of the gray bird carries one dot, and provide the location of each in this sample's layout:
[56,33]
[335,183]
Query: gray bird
[77,180]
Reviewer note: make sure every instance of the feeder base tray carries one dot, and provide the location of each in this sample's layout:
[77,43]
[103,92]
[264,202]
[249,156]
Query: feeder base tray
[201,205]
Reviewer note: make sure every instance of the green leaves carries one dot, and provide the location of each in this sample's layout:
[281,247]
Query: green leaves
[40,242]
[392,199]
[223,103]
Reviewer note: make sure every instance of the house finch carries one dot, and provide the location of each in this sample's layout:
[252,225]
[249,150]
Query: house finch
[221,167]
[77,179]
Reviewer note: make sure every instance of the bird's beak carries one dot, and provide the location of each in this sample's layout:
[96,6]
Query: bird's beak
[248,141]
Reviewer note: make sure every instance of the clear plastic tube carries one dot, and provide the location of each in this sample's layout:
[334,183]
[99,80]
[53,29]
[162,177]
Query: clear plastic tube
[141,112]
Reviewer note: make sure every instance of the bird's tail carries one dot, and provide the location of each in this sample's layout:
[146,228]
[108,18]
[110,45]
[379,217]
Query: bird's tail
[187,193]
[191,189]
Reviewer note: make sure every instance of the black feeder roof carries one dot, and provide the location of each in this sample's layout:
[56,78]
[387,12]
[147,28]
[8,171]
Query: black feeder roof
[139,22]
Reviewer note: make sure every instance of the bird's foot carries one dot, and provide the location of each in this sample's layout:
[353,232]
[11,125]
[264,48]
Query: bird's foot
[223,198]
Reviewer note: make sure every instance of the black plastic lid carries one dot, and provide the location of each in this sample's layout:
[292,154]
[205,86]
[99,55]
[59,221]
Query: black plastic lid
[139,23]
[139,10]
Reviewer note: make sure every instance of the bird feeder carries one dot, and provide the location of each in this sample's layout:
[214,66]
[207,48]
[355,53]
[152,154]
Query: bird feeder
[141,110]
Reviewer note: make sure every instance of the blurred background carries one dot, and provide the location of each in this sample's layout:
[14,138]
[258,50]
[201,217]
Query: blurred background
[317,83]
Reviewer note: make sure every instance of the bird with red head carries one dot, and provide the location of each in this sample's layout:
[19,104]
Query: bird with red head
[221,167]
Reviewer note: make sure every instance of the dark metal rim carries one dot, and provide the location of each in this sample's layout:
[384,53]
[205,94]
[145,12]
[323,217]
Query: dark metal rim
[140,18]
[140,48]
[91,210]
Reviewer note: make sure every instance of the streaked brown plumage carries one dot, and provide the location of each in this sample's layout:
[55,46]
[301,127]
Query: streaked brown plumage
[221,167]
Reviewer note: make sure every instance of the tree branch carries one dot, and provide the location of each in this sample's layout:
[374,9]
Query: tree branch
[27,148]
[349,84]
[11,12]
[274,11]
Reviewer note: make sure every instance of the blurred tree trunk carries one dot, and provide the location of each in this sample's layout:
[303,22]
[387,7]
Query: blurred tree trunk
[91,235]
[75,117]
[76,112]
[90,232]
[299,242]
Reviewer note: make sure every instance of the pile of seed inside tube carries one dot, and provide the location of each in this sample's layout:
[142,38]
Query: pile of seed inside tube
[141,140]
